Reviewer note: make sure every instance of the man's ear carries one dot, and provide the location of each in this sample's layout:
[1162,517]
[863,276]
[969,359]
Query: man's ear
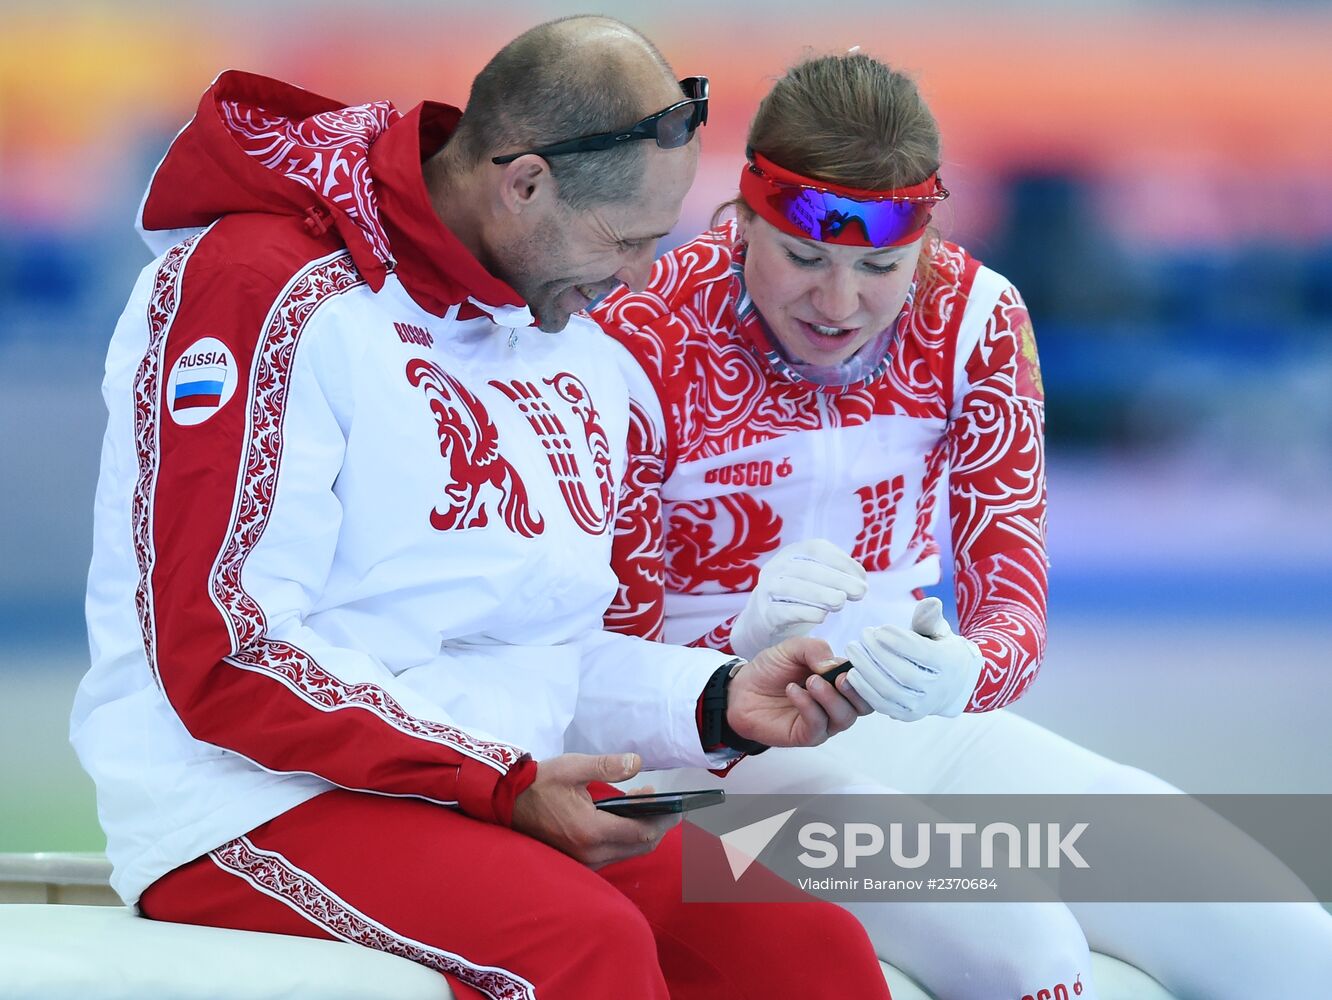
[527,183]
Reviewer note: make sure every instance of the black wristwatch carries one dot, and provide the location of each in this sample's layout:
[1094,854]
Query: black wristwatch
[716,731]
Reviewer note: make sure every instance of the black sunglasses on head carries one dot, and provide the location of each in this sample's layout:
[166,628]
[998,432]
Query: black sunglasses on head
[671,127]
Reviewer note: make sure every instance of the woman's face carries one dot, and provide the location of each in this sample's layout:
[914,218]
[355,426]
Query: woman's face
[821,301]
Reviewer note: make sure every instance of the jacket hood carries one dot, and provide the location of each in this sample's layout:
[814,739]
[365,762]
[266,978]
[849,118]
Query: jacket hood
[260,145]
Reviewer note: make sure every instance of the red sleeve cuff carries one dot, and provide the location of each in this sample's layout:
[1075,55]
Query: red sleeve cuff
[487,795]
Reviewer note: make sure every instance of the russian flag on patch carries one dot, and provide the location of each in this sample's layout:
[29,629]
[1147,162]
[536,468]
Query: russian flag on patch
[204,388]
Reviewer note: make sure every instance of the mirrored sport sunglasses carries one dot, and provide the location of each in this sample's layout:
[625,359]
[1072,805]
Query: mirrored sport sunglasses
[825,214]
[671,127]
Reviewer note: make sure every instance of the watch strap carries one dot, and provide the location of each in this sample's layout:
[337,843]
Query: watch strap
[716,731]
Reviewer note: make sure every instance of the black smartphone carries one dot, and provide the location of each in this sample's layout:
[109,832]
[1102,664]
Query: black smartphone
[661,803]
[831,675]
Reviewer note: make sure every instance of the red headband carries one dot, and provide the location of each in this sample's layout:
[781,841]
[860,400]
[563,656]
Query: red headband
[814,209]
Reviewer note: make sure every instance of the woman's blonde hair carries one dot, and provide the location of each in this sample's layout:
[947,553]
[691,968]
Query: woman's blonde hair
[849,120]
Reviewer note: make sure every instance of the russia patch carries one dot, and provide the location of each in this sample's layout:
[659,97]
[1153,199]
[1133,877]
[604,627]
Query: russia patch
[201,382]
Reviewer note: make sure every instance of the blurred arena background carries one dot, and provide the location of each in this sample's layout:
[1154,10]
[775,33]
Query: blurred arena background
[1155,177]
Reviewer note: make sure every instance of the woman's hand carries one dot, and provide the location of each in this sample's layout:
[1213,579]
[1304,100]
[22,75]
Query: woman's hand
[909,674]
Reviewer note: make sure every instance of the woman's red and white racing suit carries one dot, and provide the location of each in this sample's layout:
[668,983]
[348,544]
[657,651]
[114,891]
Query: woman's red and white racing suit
[734,459]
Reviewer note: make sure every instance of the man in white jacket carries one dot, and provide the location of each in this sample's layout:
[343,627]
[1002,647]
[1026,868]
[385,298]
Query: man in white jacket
[352,546]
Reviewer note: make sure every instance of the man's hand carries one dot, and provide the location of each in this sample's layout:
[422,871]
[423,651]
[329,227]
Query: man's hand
[778,698]
[557,810]
[797,589]
[911,674]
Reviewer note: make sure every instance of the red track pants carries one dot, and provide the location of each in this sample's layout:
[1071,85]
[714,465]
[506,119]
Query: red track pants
[506,917]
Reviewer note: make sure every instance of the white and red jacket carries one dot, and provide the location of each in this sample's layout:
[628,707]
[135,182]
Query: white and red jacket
[733,459]
[353,521]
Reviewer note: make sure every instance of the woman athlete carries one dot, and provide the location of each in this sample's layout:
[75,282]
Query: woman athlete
[816,373]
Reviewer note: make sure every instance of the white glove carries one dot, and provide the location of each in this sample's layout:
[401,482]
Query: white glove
[909,675]
[797,589]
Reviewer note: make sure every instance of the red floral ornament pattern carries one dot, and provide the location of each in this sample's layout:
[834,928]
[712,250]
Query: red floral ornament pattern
[639,550]
[719,638]
[273,875]
[263,446]
[923,541]
[162,303]
[1001,604]
[299,671]
[326,152]
[996,482]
